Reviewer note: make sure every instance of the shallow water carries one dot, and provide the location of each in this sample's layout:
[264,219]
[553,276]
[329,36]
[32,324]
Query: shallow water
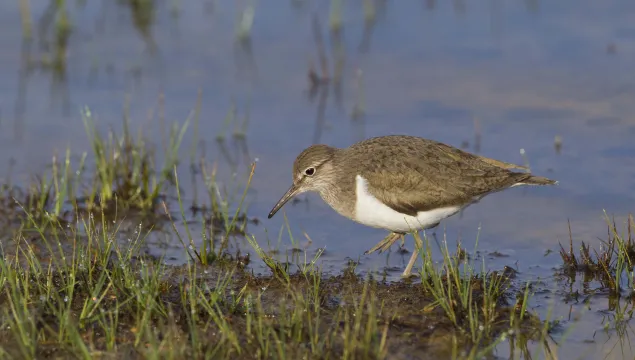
[513,75]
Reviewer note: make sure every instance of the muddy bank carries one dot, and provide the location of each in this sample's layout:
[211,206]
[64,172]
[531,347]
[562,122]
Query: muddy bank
[139,308]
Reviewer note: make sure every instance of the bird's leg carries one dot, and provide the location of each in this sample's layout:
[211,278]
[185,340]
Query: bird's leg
[385,244]
[413,258]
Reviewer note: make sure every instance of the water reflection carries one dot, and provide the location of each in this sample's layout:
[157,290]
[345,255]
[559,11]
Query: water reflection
[143,19]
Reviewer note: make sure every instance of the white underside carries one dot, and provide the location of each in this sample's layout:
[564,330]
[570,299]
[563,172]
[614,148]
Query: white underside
[372,212]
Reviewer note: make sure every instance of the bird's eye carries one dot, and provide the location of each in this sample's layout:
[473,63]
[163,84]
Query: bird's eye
[310,171]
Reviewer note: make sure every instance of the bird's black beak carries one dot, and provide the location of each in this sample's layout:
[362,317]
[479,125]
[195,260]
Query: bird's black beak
[293,190]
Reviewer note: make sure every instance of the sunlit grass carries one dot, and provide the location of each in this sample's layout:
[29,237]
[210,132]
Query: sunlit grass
[475,301]
[125,172]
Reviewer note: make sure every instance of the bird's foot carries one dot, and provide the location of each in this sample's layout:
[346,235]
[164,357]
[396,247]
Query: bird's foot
[384,244]
[409,275]
[387,245]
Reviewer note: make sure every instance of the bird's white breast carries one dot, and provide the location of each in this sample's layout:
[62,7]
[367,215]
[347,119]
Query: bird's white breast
[372,212]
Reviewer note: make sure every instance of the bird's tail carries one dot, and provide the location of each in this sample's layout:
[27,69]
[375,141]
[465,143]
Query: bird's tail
[536,180]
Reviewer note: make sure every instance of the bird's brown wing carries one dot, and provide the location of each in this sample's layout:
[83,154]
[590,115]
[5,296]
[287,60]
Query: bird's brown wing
[433,176]
[473,159]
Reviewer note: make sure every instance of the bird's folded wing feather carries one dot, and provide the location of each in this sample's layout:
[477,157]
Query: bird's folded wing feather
[408,184]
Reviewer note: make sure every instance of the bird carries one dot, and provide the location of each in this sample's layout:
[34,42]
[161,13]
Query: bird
[400,183]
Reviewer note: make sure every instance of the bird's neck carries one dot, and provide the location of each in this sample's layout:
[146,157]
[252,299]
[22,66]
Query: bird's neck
[338,191]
